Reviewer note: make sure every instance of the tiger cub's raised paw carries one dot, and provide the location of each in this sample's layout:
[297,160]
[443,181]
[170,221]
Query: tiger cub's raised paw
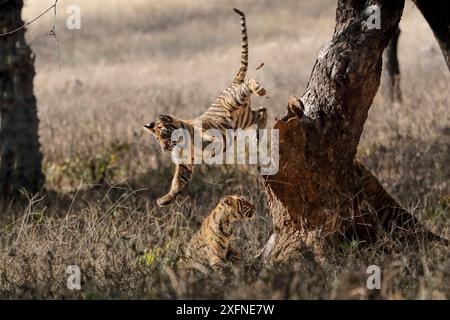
[261,92]
[256,88]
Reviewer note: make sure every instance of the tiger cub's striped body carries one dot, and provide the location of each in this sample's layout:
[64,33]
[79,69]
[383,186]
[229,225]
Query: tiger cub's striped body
[230,110]
[392,218]
[211,245]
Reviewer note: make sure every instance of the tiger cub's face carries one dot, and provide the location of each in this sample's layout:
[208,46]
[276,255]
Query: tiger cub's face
[240,208]
[162,129]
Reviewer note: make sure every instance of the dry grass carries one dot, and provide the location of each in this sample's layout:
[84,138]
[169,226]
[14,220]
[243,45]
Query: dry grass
[131,62]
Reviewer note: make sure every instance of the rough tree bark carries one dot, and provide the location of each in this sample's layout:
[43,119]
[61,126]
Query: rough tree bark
[391,71]
[315,197]
[437,14]
[20,158]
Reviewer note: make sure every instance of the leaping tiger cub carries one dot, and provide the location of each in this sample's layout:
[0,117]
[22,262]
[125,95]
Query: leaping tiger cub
[211,245]
[230,110]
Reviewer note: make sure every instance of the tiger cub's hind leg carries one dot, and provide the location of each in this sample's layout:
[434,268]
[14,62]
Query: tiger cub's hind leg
[261,117]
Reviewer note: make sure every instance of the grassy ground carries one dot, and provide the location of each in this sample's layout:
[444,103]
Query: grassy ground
[131,62]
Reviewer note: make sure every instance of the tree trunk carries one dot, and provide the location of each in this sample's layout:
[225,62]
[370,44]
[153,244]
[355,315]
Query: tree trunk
[20,158]
[391,71]
[437,14]
[315,197]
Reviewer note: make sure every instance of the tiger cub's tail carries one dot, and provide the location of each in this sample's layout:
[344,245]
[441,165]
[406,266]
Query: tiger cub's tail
[240,76]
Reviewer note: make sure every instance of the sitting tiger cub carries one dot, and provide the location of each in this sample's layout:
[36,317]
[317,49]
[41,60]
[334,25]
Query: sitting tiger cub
[230,110]
[211,245]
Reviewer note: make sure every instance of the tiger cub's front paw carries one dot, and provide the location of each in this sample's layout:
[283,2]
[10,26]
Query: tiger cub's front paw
[261,92]
[165,200]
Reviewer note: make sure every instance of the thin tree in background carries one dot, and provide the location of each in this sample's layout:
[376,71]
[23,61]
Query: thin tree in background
[391,71]
[20,156]
[437,14]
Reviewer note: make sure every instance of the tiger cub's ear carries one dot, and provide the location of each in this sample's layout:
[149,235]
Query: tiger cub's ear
[226,200]
[165,118]
[150,126]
